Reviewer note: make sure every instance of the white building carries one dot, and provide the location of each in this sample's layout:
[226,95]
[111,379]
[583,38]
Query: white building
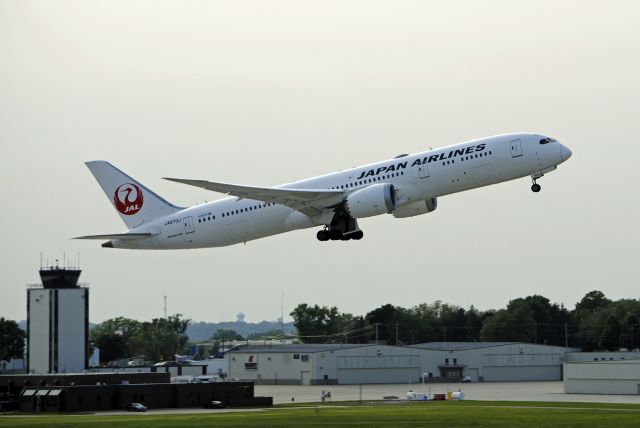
[492,361]
[368,364]
[602,377]
[57,323]
[602,356]
[14,364]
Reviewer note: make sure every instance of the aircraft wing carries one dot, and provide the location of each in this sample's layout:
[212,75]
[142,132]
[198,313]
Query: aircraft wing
[307,201]
[124,236]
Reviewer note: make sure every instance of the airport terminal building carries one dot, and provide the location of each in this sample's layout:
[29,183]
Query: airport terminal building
[319,364]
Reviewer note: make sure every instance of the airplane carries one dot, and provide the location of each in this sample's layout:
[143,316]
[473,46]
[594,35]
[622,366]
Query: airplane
[405,186]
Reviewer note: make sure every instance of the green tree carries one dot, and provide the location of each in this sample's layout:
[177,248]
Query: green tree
[265,334]
[386,316]
[515,325]
[116,338]
[454,322]
[589,319]
[473,324]
[610,338]
[549,318]
[162,338]
[11,340]
[630,329]
[355,328]
[227,335]
[425,323]
[592,301]
[317,324]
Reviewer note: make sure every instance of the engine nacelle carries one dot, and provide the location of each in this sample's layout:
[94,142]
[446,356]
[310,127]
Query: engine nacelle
[372,200]
[416,208]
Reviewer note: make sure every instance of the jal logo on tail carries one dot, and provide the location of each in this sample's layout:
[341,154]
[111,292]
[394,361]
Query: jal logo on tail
[128,199]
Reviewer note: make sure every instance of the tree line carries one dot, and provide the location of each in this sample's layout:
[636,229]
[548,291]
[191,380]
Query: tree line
[596,323]
[156,340]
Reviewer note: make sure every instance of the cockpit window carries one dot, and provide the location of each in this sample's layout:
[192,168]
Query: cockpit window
[548,140]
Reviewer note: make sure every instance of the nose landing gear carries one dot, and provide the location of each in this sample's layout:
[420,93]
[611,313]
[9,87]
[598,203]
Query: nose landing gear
[535,187]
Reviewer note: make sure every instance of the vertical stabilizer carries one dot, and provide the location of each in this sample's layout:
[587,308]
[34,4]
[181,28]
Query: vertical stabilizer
[134,202]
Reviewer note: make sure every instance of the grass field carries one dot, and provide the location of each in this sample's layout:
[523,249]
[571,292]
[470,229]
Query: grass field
[443,414]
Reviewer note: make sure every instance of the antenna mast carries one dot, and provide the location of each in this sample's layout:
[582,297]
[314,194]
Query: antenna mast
[282,312]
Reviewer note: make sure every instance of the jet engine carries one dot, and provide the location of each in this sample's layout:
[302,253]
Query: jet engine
[372,200]
[416,208]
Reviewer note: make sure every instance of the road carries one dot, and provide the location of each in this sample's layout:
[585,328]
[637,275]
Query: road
[507,391]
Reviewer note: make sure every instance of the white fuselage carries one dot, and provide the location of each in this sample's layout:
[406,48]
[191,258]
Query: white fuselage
[416,177]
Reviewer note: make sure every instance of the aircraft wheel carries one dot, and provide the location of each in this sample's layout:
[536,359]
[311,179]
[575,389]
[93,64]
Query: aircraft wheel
[322,235]
[357,235]
[335,235]
[535,187]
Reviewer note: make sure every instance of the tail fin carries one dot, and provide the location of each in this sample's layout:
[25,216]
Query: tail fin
[135,203]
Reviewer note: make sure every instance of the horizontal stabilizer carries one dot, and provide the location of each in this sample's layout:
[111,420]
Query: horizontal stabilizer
[123,236]
[307,201]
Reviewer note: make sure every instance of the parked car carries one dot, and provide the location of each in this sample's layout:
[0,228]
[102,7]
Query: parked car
[466,379]
[8,406]
[136,407]
[215,404]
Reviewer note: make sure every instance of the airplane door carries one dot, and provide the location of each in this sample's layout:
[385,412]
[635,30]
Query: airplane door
[516,148]
[423,171]
[188,225]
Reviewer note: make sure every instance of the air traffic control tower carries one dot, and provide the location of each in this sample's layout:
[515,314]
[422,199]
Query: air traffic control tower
[57,323]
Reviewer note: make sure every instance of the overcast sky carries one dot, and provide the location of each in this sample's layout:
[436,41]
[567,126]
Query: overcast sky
[266,92]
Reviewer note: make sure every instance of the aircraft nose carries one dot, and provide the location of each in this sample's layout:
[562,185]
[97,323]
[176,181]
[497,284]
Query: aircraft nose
[565,153]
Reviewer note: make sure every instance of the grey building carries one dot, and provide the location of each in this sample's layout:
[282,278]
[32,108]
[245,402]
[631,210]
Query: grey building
[57,323]
[602,373]
[602,377]
[369,364]
[492,361]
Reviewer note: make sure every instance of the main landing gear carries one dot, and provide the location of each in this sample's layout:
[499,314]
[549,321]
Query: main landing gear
[343,227]
[337,235]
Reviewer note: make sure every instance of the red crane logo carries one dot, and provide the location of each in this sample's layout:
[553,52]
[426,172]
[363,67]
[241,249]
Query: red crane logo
[128,199]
